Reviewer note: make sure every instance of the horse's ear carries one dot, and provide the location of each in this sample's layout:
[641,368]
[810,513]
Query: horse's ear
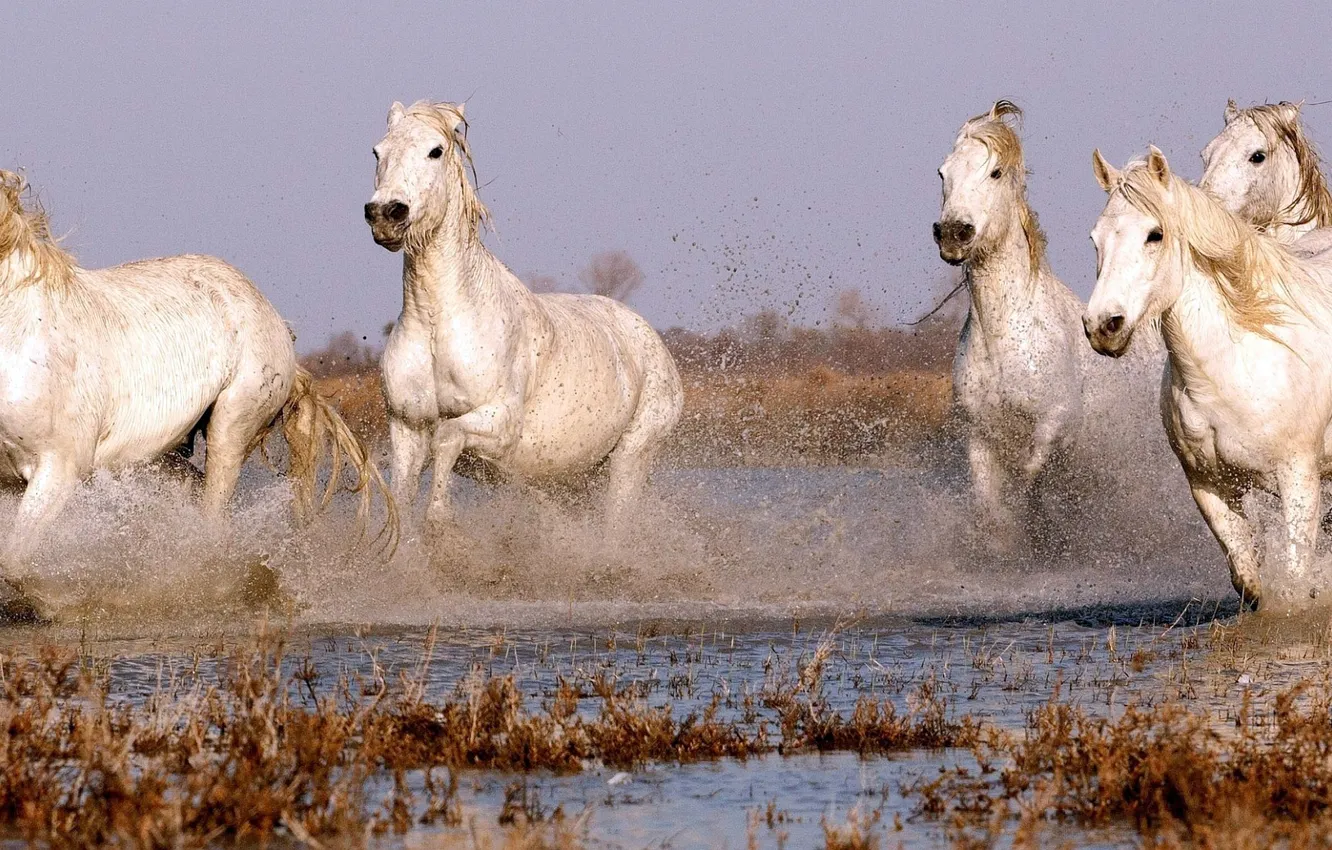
[462,110]
[396,111]
[1157,165]
[1104,171]
[1290,112]
[1232,110]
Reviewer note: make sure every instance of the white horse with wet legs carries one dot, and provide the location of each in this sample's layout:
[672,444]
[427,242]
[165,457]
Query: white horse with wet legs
[1017,375]
[1247,399]
[539,387]
[102,369]
[1264,168]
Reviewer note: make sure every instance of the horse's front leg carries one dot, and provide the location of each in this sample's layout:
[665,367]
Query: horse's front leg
[410,447]
[1222,509]
[988,486]
[1047,437]
[1299,485]
[448,444]
[48,490]
[490,430]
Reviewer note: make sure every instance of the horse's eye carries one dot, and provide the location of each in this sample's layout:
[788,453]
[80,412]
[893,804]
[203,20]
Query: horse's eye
[436,152]
[1154,236]
[1258,157]
[996,174]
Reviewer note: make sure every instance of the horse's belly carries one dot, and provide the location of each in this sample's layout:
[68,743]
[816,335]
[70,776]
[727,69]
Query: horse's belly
[157,421]
[571,425]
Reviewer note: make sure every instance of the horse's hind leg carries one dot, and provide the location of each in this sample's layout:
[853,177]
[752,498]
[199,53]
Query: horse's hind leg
[235,421]
[630,462]
[628,474]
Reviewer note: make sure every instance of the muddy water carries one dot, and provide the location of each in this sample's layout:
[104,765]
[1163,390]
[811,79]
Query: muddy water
[706,544]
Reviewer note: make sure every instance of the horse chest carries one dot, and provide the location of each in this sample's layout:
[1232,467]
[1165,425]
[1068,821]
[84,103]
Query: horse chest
[993,375]
[428,375]
[1211,439]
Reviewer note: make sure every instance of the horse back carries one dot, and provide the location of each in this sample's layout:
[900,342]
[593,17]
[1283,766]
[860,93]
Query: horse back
[174,333]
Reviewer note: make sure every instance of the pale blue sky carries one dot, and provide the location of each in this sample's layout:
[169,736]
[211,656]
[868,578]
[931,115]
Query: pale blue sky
[748,155]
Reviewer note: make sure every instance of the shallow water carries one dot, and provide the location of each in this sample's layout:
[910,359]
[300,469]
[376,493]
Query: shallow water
[709,544]
[995,672]
[726,576]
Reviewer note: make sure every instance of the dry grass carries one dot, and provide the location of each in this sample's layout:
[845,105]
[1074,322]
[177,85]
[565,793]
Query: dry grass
[1177,777]
[255,752]
[818,415]
[815,416]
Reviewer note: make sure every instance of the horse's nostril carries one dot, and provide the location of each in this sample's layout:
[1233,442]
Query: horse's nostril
[965,231]
[370,212]
[938,231]
[396,211]
[1114,324]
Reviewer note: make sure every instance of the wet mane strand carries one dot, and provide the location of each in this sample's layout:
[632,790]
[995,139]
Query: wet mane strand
[447,118]
[999,137]
[25,228]
[1254,273]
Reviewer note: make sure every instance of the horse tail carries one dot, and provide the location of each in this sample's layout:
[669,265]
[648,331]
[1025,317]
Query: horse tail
[311,426]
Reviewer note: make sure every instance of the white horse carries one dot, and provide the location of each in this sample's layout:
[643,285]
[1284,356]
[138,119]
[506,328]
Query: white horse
[1247,399]
[1264,168]
[536,386]
[101,369]
[1018,372]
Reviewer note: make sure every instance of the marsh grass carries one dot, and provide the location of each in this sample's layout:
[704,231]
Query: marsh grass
[254,751]
[1168,770]
[1204,736]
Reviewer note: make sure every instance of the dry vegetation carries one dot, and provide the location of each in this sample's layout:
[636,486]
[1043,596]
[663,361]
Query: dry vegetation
[1177,778]
[762,394]
[252,746]
[255,751]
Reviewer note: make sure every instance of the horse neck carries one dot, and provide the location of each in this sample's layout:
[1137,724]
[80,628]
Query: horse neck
[452,274]
[1198,331]
[1003,283]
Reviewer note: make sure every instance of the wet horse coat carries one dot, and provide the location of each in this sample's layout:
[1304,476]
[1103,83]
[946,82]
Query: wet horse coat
[105,368]
[538,386]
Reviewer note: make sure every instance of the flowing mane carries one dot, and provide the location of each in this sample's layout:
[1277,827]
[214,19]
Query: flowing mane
[999,137]
[26,228]
[447,118]
[1280,123]
[1255,274]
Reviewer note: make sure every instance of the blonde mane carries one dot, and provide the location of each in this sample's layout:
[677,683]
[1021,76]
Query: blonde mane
[447,118]
[999,137]
[1280,123]
[27,229]
[1254,273]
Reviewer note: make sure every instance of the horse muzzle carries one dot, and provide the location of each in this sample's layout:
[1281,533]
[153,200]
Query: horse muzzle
[1109,335]
[388,223]
[954,239]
